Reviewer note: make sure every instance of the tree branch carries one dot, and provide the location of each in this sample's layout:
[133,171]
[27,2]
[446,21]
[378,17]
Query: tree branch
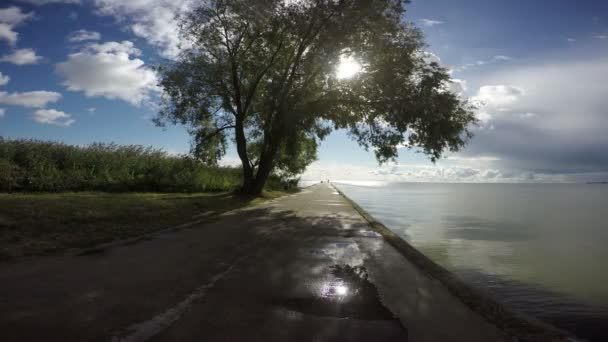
[254,86]
[218,130]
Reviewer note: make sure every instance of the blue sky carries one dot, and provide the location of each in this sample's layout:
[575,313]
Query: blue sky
[80,72]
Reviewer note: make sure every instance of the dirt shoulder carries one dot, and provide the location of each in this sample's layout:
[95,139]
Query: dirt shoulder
[38,224]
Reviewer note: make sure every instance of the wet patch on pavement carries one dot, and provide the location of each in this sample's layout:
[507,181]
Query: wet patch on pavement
[365,233]
[346,293]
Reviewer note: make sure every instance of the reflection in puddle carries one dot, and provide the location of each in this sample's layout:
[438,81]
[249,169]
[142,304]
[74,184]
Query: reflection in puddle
[346,293]
[334,289]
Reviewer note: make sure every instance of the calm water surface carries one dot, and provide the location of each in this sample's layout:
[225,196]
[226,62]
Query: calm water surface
[541,249]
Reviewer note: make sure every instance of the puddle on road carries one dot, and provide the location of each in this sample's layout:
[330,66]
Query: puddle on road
[346,293]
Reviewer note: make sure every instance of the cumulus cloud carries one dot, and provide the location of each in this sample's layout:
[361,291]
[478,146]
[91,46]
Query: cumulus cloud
[498,96]
[153,20]
[52,117]
[422,173]
[4,79]
[22,57]
[430,22]
[11,17]
[108,70]
[45,2]
[29,99]
[553,121]
[83,35]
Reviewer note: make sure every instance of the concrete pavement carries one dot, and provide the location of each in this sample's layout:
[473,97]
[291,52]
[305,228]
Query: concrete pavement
[306,267]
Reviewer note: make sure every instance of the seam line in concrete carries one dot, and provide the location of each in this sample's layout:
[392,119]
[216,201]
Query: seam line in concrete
[143,331]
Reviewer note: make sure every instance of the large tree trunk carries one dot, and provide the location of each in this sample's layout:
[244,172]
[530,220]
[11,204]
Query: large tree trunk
[254,185]
[248,181]
[262,176]
[241,148]
[265,167]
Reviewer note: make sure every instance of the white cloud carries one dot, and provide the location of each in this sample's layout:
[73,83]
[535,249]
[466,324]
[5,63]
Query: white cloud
[53,117]
[153,20]
[125,47]
[83,35]
[11,17]
[527,115]
[22,57]
[476,158]
[555,119]
[601,36]
[230,161]
[91,110]
[7,33]
[30,99]
[482,62]
[484,117]
[45,2]
[2,112]
[498,96]
[107,70]
[4,79]
[501,58]
[430,22]
[430,57]
[571,40]
[458,86]
[363,175]
[73,15]
[494,100]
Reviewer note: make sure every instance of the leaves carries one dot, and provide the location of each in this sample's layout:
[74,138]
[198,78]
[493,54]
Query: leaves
[265,69]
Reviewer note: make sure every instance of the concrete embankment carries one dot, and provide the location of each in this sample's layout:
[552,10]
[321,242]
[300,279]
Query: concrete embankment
[305,267]
[519,326]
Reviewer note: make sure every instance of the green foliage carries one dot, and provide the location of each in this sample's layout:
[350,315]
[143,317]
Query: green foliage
[30,165]
[263,74]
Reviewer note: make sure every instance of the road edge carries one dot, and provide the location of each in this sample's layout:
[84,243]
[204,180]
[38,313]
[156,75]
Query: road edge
[522,327]
[100,248]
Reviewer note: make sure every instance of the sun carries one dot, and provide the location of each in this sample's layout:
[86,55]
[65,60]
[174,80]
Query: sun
[347,68]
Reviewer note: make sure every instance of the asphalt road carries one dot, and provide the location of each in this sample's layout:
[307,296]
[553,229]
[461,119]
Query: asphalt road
[306,267]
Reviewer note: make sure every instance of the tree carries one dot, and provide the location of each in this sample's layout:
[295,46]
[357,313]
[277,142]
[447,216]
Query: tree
[262,73]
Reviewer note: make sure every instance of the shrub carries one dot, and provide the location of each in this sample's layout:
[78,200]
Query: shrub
[32,165]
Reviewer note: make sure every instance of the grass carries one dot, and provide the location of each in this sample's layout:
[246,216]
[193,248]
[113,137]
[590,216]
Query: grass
[47,166]
[43,223]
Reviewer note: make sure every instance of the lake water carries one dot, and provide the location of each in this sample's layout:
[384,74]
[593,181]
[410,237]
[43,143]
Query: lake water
[541,249]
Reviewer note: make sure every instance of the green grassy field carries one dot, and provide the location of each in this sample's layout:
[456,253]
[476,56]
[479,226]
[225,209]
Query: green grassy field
[43,223]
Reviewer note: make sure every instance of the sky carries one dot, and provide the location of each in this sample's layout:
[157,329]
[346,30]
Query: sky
[81,71]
